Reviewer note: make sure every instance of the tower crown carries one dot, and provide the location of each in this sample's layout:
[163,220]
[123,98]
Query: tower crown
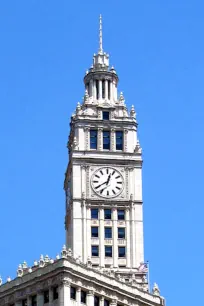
[101,80]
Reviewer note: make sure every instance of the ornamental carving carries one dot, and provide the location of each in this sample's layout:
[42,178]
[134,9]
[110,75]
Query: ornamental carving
[125,140]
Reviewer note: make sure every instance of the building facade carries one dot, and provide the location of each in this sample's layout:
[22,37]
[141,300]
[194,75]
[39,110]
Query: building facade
[102,263]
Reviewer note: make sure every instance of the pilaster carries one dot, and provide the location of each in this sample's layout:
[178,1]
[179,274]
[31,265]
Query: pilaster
[90,298]
[40,299]
[101,235]
[64,293]
[128,251]
[115,239]
[78,296]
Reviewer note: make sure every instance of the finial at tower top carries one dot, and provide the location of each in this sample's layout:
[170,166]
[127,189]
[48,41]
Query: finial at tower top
[100,36]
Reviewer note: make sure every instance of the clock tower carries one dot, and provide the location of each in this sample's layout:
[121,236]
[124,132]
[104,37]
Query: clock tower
[103,181]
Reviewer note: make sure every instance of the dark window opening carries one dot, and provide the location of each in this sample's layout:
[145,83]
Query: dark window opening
[121,232]
[108,251]
[46,296]
[121,214]
[73,293]
[93,139]
[108,232]
[109,89]
[97,89]
[96,300]
[103,89]
[34,300]
[83,297]
[94,213]
[119,140]
[105,115]
[107,214]
[106,302]
[94,250]
[94,232]
[24,302]
[55,293]
[106,140]
[121,251]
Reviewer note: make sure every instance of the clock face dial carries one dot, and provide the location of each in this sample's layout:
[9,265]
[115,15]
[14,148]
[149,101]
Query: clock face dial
[107,182]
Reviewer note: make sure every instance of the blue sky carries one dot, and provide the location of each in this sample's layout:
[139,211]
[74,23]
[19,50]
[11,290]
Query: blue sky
[157,49]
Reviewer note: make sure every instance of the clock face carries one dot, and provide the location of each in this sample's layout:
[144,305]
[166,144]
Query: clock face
[107,182]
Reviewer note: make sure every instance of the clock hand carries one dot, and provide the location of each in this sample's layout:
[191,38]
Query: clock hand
[108,179]
[101,191]
[101,184]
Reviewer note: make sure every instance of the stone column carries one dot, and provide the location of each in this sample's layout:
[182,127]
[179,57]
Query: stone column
[64,294]
[78,296]
[115,239]
[100,139]
[106,89]
[125,143]
[111,90]
[40,299]
[100,89]
[132,226]
[84,246]
[94,89]
[91,88]
[127,218]
[50,296]
[113,142]
[101,236]
[88,230]
[29,301]
[90,298]
[101,301]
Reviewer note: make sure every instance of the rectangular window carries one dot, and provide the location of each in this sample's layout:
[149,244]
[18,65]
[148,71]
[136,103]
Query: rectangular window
[93,139]
[34,300]
[55,293]
[94,213]
[94,232]
[83,297]
[106,140]
[107,214]
[94,250]
[106,302]
[96,300]
[121,214]
[108,251]
[119,140]
[24,302]
[121,232]
[121,251]
[46,296]
[73,293]
[108,232]
[105,115]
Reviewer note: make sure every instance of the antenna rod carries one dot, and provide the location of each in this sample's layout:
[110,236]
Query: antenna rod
[100,35]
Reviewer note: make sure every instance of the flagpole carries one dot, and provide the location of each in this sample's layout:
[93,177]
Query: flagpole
[148,276]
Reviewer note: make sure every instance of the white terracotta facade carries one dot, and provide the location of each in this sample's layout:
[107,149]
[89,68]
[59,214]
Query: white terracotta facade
[102,263]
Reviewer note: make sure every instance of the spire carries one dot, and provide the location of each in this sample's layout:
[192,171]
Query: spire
[100,36]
